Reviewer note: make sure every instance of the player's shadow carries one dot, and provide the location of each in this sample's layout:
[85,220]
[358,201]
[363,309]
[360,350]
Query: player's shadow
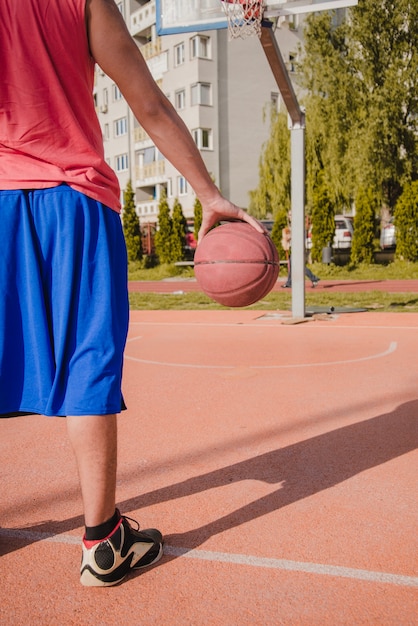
[299,470]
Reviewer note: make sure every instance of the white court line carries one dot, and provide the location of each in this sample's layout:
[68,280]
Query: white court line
[296,566]
[133,338]
[392,347]
[337,571]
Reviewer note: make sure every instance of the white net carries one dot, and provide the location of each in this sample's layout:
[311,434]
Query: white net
[244,17]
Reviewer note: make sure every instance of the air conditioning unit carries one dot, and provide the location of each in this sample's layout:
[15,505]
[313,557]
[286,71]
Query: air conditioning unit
[103,108]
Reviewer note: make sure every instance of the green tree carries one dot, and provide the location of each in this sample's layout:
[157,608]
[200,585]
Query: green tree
[178,232]
[323,223]
[131,226]
[272,194]
[362,248]
[362,105]
[330,99]
[197,212]
[163,234]
[280,222]
[384,60]
[406,223]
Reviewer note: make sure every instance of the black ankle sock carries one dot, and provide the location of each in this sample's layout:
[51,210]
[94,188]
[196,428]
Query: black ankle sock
[95,533]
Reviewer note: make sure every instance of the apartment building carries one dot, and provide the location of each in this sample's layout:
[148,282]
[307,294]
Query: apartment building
[222,90]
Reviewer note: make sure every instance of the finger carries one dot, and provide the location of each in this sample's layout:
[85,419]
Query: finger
[256,224]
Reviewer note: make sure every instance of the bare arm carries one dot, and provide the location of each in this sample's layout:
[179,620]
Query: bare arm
[115,51]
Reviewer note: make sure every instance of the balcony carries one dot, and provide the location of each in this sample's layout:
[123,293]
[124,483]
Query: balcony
[143,19]
[148,210]
[154,172]
[151,49]
[140,135]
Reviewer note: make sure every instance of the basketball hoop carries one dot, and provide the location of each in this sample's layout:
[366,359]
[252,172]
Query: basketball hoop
[244,17]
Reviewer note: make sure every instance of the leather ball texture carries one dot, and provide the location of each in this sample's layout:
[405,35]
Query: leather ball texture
[235,265]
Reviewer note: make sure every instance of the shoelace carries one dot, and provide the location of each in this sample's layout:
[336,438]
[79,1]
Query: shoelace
[131,522]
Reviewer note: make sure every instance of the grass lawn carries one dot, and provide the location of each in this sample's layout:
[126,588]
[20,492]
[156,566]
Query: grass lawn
[370,300]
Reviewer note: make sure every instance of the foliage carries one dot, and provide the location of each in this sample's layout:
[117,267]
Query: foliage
[323,224]
[163,234]
[362,103]
[384,57]
[178,232]
[272,195]
[281,221]
[364,226]
[330,96]
[131,226]
[197,212]
[360,77]
[406,223]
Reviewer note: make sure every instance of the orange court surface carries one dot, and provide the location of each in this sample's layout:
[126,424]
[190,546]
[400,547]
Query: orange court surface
[278,459]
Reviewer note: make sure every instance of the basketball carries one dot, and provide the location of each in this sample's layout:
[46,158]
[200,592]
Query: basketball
[235,265]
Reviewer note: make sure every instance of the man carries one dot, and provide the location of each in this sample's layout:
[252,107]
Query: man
[64,306]
[286,244]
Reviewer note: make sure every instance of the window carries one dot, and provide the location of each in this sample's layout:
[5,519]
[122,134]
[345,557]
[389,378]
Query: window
[120,7]
[200,47]
[181,186]
[275,100]
[180,99]
[106,132]
[105,100]
[179,54]
[169,187]
[122,162]
[203,138]
[117,95]
[201,93]
[149,155]
[121,126]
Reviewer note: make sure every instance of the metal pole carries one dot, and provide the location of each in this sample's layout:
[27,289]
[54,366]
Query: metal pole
[278,67]
[297,134]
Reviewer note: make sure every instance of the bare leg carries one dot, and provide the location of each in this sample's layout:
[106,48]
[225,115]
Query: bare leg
[94,441]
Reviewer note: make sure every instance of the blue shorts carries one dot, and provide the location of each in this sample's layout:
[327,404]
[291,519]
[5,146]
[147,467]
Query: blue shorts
[63,305]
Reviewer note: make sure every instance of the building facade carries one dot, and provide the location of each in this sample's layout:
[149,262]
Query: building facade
[222,89]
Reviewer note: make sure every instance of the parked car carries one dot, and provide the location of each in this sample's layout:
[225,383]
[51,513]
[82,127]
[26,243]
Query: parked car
[268,224]
[343,234]
[190,243]
[388,235]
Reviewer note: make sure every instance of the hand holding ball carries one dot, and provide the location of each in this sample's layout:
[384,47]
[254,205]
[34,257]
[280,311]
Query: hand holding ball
[236,265]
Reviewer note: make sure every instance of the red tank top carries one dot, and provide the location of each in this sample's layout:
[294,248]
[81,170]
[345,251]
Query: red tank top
[49,131]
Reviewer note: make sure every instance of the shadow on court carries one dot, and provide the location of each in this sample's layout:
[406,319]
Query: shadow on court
[300,470]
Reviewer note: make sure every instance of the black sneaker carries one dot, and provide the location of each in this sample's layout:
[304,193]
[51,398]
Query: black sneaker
[315,282]
[107,562]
